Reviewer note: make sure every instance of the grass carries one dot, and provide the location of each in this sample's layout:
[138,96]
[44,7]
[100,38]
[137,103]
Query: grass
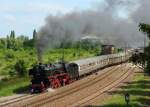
[69,55]
[14,86]
[139,90]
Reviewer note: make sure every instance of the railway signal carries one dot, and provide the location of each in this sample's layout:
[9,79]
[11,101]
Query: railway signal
[127,98]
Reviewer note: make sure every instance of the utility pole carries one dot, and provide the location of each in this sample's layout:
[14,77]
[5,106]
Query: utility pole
[125,49]
[144,43]
[79,48]
[62,46]
[63,55]
[144,52]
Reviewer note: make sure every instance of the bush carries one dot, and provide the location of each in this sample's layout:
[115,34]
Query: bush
[31,53]
[12,73]
[9,55]
[20,68]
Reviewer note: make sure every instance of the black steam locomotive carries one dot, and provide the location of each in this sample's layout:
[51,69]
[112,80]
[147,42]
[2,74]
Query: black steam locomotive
[50,75]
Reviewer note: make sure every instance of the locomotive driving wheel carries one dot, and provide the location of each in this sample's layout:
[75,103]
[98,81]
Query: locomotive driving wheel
[55,83]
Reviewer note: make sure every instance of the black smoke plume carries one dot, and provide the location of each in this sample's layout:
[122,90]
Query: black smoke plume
[114,20]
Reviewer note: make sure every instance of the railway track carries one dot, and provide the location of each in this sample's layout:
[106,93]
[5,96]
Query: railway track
[101,91]
[21,103]
[14,100]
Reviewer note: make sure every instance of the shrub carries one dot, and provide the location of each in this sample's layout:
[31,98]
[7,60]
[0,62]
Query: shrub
[12,73]
[9,55]
[20,68]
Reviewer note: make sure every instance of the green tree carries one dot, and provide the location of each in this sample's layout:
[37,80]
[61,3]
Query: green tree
[12,34]
[34,34]
[8,42]
[11,40]
[3,43]
[34,38]
[20,42]
[145,28]
[30,43]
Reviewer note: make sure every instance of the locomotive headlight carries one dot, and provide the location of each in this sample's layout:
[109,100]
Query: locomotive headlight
[32,90]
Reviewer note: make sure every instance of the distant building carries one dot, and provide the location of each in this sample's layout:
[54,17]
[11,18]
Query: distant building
[90,37]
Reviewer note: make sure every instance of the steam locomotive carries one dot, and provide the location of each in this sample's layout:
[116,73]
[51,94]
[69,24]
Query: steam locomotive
[60,74]
[48,75]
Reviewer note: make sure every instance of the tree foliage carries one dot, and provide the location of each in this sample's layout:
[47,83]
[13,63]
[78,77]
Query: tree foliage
[3,43]
[17,42]
[145,28]
[14,44]
[20,68]
[138,58]
[9,54]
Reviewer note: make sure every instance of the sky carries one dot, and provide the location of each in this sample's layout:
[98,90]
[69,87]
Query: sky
[24,16]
